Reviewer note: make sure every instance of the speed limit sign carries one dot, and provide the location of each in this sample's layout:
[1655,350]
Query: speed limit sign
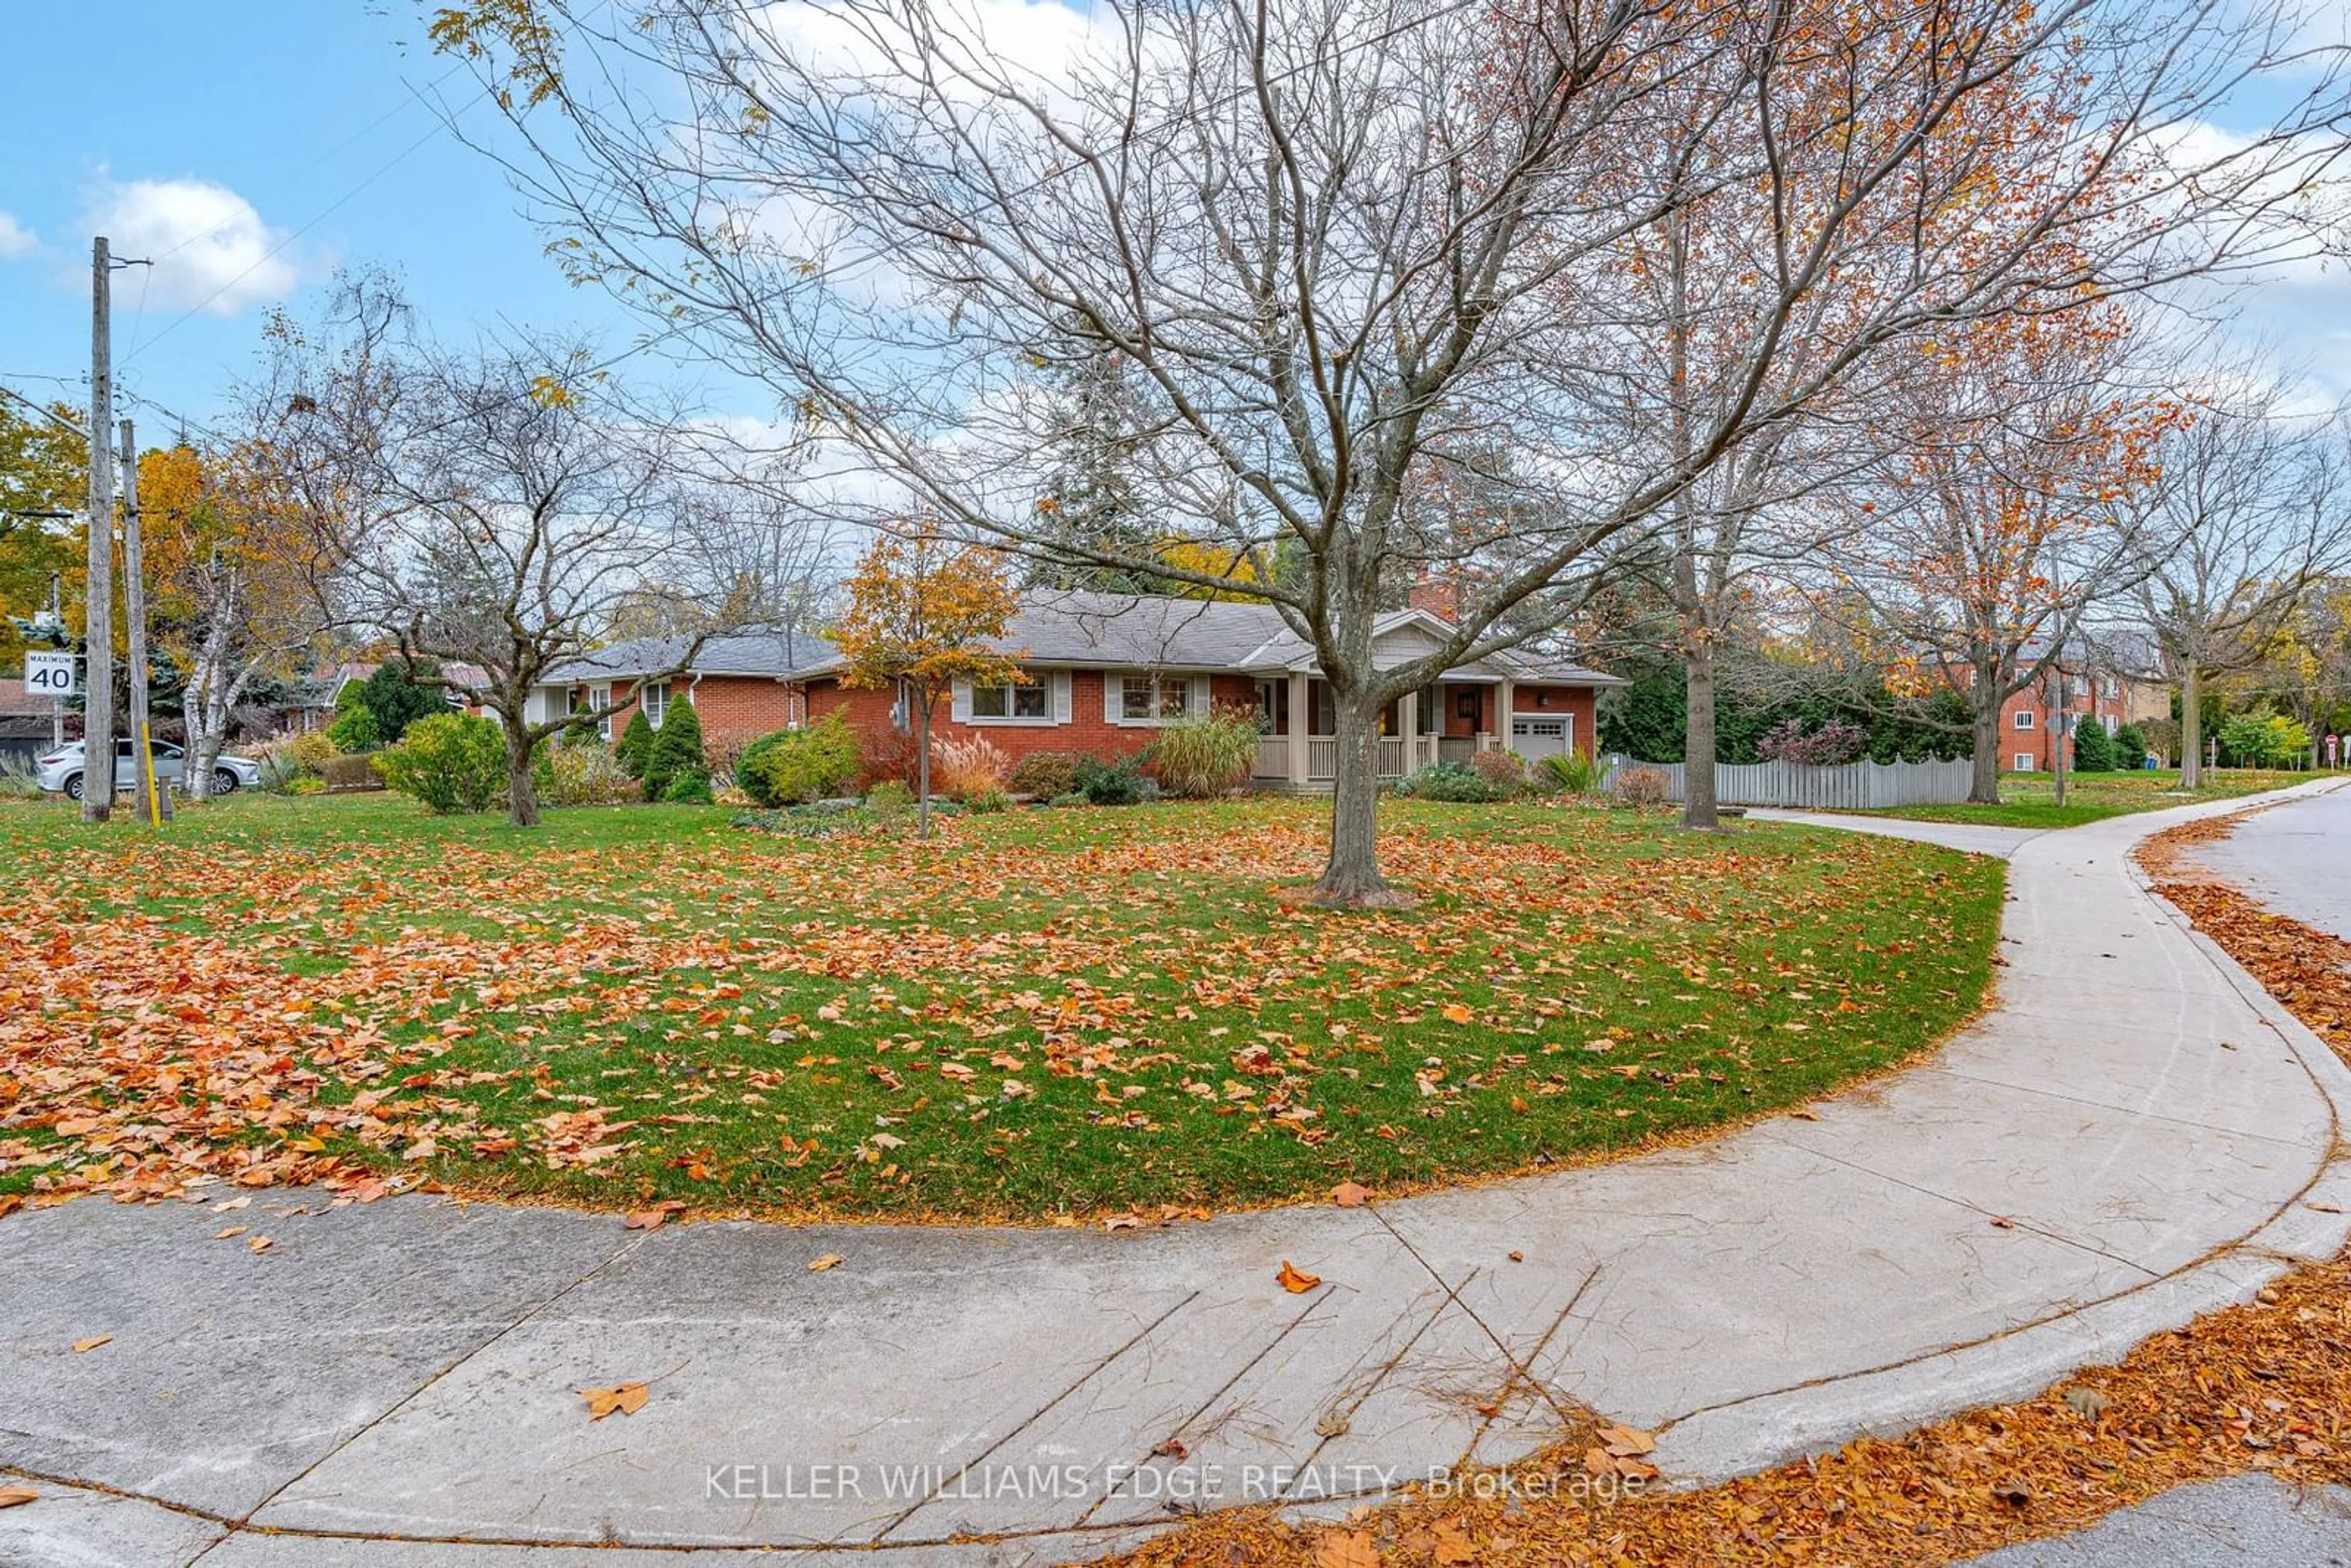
[51,675]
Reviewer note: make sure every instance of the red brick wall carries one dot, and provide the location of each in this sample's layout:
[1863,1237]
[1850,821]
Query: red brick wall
[1578,701]
[2034,699]
[1455,725]
[734,709]
[1088,733]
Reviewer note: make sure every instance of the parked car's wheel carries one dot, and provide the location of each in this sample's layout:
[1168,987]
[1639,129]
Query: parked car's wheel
[224,782]
[73,786]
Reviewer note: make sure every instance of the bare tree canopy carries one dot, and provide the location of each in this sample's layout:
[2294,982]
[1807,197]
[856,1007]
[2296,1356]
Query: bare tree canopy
[2256,502]
[1346,253]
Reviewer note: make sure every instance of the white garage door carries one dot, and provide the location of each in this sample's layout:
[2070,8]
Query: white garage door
[1538,738]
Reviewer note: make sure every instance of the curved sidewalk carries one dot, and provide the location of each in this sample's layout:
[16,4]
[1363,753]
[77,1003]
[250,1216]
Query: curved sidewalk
[2133,1135]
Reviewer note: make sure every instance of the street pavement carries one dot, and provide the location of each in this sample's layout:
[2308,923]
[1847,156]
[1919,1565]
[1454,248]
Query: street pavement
[2296,860]
[2245,1521]
[2133,1135]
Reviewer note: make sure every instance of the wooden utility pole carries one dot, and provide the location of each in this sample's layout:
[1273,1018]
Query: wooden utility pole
[98,617]
[154,798]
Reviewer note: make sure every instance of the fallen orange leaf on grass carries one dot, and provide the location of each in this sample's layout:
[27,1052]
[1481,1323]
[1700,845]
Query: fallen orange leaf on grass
[1297,1280]
[1350,1194]
[628,1399]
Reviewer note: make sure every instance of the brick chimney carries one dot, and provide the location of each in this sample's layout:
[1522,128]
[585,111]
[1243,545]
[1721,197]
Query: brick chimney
[1440,596]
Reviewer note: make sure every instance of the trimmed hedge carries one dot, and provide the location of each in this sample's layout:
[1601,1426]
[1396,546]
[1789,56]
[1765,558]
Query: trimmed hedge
[450,762]
[791,766]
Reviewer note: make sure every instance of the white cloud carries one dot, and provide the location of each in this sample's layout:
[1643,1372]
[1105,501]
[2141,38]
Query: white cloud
[209,247]
[16,239]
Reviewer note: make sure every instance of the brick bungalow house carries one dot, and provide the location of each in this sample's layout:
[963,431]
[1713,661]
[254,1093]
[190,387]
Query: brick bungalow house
[1102,672]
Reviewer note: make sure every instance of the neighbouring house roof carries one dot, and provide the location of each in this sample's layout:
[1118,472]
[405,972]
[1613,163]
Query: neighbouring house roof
[22,714]
[324,685]
[16,702]
[1080,629]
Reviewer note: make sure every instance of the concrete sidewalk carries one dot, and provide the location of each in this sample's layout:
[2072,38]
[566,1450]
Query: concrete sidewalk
[2133,1135]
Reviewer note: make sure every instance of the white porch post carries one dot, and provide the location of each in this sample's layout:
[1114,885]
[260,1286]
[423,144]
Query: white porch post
[1411,727]
[1301,715]
[1504,696]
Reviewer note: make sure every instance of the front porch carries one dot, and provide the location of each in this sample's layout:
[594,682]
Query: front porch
[1450,721]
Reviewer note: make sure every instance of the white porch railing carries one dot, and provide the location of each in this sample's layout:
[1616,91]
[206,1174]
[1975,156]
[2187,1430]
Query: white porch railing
[1398,755]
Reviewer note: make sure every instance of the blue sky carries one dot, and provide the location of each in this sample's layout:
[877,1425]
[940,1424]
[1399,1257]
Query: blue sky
[253,147]
[154,120]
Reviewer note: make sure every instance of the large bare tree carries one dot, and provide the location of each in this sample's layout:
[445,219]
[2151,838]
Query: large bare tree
[2258,504]
[519,502]
[1341,246]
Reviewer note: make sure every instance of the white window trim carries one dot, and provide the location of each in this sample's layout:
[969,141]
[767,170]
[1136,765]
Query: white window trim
[1057,705]
[654,712]
[2023,718]
[2025,762]
[1195,697]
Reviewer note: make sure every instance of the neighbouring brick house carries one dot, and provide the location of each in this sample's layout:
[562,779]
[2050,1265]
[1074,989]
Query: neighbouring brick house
[1102,672]
[2027,719]
[314,699]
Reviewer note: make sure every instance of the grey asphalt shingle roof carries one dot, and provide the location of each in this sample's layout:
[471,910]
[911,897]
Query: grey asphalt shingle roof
[1053,627]
[773,650]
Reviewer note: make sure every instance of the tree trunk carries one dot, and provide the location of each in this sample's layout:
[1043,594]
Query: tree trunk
[522,790]
[1698,746]
[207,721]
[2192,728]
[1983,789]
[2060,748]
[1351,880]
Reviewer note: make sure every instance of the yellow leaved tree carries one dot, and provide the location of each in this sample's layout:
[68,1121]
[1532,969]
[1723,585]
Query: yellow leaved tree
[925,611]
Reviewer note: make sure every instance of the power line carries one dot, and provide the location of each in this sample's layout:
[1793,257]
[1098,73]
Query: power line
[413,98]
[279,248]
[37,408]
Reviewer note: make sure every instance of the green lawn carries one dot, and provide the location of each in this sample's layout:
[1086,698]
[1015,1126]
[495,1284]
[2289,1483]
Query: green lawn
[1040,1013]
[2029,800]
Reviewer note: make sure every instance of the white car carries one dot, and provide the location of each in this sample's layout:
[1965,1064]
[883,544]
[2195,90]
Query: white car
[61,771]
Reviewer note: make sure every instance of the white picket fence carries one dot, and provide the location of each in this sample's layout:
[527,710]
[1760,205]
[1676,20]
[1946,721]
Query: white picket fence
[1856,786]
